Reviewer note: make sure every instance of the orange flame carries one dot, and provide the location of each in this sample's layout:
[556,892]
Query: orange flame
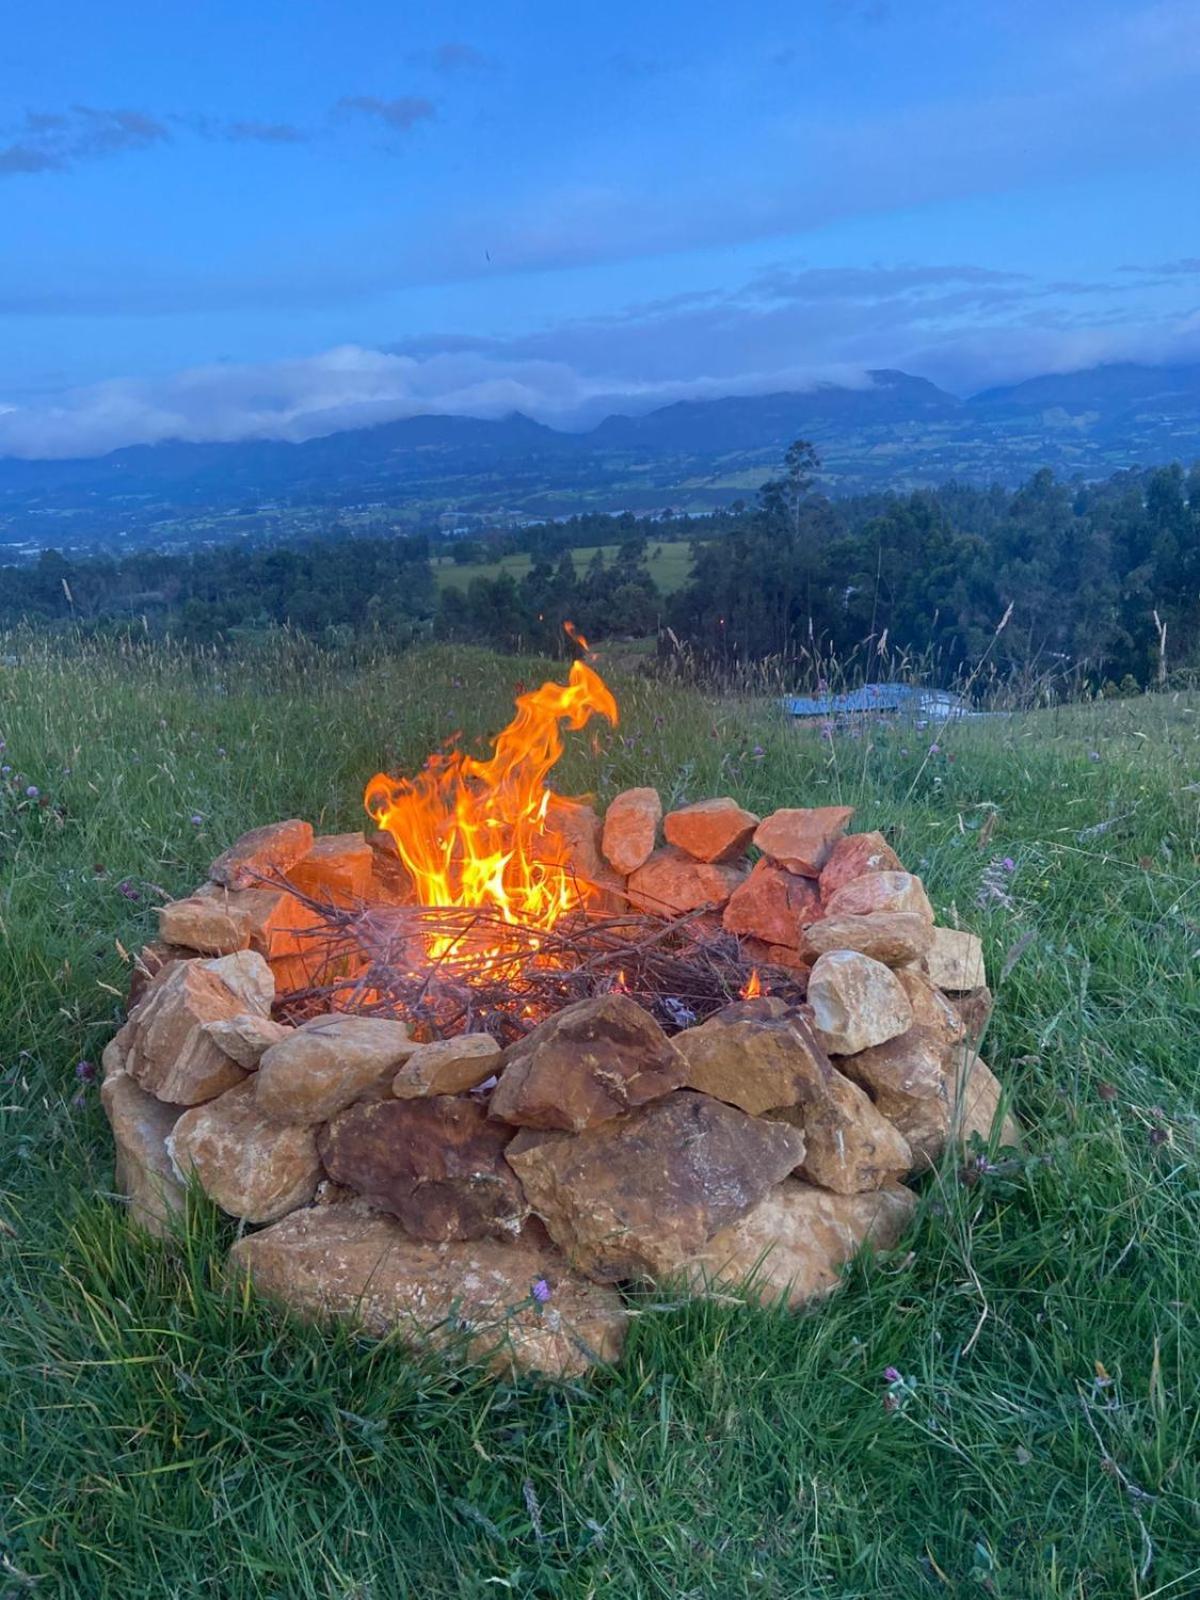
[752,988]
[474,833]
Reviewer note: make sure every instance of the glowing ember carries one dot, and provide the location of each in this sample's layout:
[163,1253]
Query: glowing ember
[474,833]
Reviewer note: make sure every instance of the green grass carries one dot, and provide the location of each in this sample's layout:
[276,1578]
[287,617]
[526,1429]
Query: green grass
[669,561]
[164,1437]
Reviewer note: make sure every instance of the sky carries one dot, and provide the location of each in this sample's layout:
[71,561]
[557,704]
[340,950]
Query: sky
[274,220]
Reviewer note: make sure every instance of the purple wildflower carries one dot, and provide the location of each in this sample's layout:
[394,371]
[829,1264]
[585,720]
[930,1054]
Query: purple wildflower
[6,769]
[196,820]
[79,1101]
[127,889]
[1009,864]
[934,749]
[541,1291]
[85,1071]
[1093,755]
[32,791]
[892,1375]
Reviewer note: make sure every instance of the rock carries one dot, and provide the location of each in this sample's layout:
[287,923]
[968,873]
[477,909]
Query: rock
[911,1064]
[671,883]
[262,853]
[931,1009]
[975,1097]
[802,840]
[955,960]
[251,1166]
[390,884]
[218,921]
[880,891]
[143,1173]
[169,1054]
[854,855]
[856,1002]
[849,1146]
[246,975]
[774,905]
[711,830]
[792,1246]
[202,922]
[639,1196]
[964,1103]
[974,1010]
[570,837]
[588,1062]
[337,869]
[246,1037]
[437,1164]
[631,828]
[448,1066]
[112,1060]
[756,1064]
[153,961]
[328,1064]
[345,1261]
[892,937]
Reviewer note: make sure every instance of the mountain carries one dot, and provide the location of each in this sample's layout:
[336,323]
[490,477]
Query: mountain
[891,431]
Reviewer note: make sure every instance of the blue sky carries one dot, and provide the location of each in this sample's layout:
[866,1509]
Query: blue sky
[275,219]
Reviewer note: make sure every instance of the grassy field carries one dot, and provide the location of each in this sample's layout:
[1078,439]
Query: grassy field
[164,1437]
[669,560]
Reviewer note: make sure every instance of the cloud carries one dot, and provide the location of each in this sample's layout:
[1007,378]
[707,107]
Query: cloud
[251,132]
[455,56]
[400,114]
[1185,267]
[54,141]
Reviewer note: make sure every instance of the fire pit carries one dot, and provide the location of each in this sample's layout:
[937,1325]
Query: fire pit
[467,1075]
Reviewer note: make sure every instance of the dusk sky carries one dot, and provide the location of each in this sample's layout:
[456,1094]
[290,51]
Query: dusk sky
[275,219]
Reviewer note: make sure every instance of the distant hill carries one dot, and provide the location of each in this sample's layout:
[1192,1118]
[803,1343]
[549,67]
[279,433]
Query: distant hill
[892,431]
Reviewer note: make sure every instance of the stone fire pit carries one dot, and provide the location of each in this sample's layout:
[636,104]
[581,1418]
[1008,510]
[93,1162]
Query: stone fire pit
[502,1193]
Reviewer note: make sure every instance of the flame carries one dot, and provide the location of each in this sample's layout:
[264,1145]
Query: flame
[752,988]
[573,633]
[474,833]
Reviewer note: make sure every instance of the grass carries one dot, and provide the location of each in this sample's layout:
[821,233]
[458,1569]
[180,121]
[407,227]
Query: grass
[669,561]
[165,1437]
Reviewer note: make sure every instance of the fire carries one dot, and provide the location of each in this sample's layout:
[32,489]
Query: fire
[752,988]
[473,833]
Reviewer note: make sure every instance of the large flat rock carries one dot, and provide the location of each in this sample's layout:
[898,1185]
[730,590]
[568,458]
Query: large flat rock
[346,1261]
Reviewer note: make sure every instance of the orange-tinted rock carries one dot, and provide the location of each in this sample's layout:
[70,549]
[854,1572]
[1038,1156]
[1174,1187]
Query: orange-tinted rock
[337,869]
[802,840]
[571,836]
[248,976]
[755,1063]
[923,1117]
[448,1066]
[711,830]
[965,1102]
[169,1053]
[792,1246]
[588,1062]
[975,1098]
[849,1146]
[880,891]
[345,1261]
[141,1125]
[262,853]
[854,855]
[328,1064]
[631,829]
[773,905]
[219,921]
[931,1008]
[893,937]
[640,1196]
[955,960]
[671,883]
[911,1064]
[856,1002]
[437,1164]
[151,962]
[246,1037]
[251,1166]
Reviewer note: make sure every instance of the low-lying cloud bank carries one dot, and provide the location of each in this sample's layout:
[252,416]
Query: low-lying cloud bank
[349,387]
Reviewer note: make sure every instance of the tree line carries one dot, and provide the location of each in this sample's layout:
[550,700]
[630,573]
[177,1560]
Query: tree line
[1099,582]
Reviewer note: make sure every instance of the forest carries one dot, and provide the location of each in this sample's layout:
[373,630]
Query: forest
[1099,583]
